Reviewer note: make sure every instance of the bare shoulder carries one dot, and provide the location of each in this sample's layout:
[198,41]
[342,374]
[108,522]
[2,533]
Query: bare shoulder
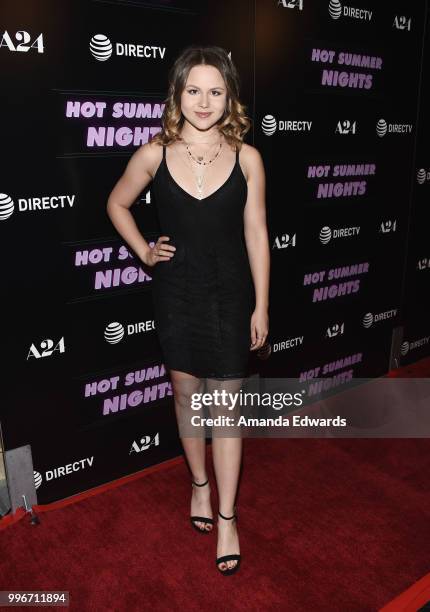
[251,160]
[148,157]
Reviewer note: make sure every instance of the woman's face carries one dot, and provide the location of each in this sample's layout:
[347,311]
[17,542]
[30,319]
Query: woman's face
[204,92]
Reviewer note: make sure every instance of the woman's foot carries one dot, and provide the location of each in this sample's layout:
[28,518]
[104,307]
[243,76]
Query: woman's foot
[201,505]
[228,541]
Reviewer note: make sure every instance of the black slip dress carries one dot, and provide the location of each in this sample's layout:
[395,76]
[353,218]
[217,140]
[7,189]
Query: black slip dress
[204,296]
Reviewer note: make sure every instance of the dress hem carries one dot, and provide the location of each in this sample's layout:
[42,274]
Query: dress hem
[213,375]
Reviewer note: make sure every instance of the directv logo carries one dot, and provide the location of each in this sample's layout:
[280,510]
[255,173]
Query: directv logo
[101,49]
[404,349]
[325,235]
[370,318]
[382,127]
[37,479]
[411,346]
[62,471]
[269,125]
[421,178]
[33,204]
[115,332]
[336,10]
[6,206]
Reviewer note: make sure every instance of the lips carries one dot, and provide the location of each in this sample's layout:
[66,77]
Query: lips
[203,115]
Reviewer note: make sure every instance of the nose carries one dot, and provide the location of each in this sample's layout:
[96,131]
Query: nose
[204,102]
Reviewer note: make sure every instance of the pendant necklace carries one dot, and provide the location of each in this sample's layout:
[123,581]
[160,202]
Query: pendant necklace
[201,162]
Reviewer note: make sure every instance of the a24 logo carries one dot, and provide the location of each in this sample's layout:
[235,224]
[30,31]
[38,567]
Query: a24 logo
[144,443]
[21,42]
[47,347]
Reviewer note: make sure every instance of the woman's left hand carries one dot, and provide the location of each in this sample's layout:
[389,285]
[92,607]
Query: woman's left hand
[259,328]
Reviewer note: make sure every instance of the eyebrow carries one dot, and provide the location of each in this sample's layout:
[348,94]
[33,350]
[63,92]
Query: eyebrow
[191,85]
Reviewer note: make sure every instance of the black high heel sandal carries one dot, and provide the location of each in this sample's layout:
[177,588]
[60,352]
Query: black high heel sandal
[202,519]
[234,557]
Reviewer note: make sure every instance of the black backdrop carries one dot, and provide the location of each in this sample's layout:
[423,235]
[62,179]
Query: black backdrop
[348,173]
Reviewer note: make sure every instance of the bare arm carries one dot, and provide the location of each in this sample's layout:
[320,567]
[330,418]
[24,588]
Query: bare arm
[136,177]
[255,228]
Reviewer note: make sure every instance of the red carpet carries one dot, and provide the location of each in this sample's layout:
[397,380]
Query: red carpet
[336,525]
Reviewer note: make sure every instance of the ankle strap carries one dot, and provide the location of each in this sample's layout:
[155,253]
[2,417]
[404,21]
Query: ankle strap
[227,518]
[200,485]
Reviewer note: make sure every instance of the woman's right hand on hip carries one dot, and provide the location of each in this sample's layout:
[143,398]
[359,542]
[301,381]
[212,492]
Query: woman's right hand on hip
[159,252]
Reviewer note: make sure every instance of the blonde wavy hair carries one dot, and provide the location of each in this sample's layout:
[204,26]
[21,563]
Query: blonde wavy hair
[234,124]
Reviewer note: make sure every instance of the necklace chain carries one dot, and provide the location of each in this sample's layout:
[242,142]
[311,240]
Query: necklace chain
[200,162]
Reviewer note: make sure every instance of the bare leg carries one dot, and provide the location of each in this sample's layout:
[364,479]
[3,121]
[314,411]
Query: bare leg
[184,385]
[227,455]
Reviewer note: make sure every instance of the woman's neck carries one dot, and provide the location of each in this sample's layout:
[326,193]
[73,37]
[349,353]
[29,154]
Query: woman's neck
[210,137]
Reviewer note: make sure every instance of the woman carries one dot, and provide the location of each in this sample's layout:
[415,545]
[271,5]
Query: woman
[211,265]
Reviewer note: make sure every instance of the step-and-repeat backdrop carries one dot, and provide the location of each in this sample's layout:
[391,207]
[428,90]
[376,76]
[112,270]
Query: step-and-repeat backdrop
[337,94]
